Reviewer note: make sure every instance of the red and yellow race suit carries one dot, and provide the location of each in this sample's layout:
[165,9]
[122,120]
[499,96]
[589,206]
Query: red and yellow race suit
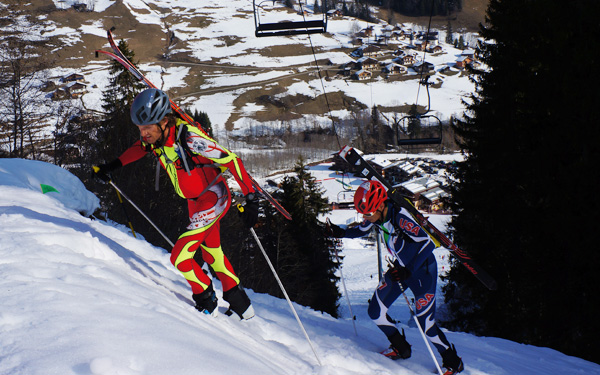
[208,195]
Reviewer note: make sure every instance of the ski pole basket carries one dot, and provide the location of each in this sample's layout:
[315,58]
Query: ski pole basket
[285,27]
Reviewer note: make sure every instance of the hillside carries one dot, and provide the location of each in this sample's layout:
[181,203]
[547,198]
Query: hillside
[208,58]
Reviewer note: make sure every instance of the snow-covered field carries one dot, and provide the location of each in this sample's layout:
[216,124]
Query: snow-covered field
[82,297]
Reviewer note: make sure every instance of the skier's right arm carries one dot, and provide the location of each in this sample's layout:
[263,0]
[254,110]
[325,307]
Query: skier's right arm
[360,230]
[133,153]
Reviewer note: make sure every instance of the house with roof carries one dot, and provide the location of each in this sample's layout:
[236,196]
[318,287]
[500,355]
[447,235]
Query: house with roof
[423,67]
[371,50]
[393,69]
[362,75]
[405,59]
[367,63]
[75,89]
[73,77]
[463,61]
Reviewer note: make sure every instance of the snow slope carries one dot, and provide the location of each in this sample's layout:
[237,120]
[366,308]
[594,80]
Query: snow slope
[80,296]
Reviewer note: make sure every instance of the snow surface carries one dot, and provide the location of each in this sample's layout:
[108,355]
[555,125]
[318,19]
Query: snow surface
[81,296]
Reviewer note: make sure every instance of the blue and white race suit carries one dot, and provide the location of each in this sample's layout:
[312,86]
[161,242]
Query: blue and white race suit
[411,247]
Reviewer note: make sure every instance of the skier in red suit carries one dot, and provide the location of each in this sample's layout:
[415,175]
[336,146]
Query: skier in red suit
[195,164]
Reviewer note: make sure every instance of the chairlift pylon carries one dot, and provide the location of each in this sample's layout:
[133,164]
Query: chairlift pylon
[286,28]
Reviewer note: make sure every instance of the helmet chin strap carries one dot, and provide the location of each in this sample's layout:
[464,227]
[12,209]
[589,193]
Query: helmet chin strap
[160,142]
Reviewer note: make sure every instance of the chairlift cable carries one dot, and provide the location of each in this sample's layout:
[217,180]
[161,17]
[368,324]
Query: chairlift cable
[422,67]
[321,80]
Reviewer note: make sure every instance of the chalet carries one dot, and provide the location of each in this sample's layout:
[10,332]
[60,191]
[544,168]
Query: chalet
[367,63]
[371,50]
[432,38]
[468,52]
[358,52]
[433,199]
[423,67]
[435,49]
[75,89]
[393,69]
[405,59]
[346,68]
[73,77]
[418,186]
[362,75]
[463,61]
[334,13]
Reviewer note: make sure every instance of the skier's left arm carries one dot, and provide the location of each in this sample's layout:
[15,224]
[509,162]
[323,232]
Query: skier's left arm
[207,147]
[413,232]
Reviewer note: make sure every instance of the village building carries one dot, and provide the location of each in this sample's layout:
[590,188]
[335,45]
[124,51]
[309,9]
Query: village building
[423,67]
[371,50]
[367,63]
[393,69]
[75,89]
[362,75]
[463,61]
[73,77]
[405,60]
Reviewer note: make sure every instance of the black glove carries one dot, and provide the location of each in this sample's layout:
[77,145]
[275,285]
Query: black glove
[102,171]
[332,230]
[399,273]
[250,211]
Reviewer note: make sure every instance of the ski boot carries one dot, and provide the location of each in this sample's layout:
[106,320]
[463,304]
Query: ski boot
[452,363]
[399,349]
[206,301]
[239,303]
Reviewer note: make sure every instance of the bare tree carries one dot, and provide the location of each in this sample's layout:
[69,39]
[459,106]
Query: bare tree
[23,65]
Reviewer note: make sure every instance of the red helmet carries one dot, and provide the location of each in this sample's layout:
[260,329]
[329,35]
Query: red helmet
[369,196]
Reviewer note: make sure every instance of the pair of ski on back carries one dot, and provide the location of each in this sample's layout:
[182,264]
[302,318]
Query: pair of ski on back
[350,156]
[118,56]
[367,171]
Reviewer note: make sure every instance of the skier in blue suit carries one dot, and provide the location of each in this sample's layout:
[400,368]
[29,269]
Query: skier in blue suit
[413,266]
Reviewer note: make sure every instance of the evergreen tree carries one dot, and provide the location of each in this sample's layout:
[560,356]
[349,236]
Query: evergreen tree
[203,119]
[302,256]
[522,203]
[449,32]
[316,284]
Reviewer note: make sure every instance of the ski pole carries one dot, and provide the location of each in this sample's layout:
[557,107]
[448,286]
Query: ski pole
[283,289]
[346,293]
[125,212]
[379,265]
[412,311]
[344,285]
[141,212]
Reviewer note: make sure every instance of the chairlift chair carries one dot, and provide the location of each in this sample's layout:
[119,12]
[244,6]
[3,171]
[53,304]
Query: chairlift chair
[435,125]
[286,28]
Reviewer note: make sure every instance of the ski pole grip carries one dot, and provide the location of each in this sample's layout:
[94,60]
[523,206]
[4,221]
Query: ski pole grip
[95,168]
[240,207]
